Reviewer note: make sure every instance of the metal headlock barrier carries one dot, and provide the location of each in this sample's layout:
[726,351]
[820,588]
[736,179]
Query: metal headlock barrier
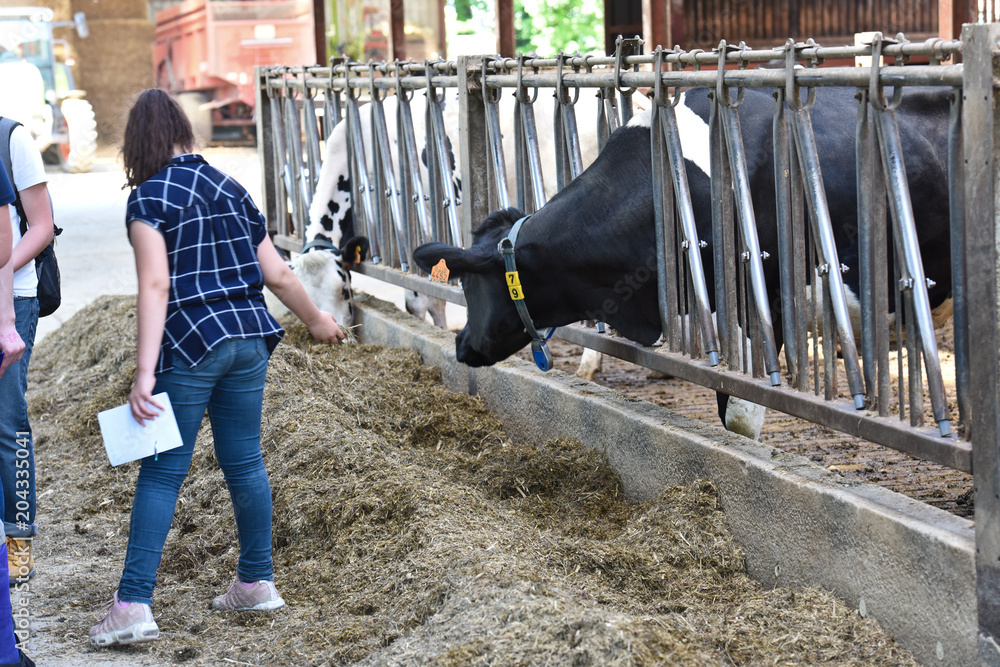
[884,394]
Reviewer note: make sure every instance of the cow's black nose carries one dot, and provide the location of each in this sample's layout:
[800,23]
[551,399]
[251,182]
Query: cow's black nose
[468,355]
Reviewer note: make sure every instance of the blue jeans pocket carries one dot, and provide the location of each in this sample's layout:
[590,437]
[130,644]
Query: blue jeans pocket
[180,362]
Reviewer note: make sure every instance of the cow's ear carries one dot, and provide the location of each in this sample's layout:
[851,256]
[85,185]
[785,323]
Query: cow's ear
[354,250]
[457,260]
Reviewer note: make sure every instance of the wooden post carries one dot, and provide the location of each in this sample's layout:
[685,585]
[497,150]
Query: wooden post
[442,31]
[675,24]
[319,30]
[506,45]
[655,25]
[397,32]
[951,15]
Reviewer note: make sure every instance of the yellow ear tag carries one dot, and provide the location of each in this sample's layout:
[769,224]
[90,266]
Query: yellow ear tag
[440,272]
[514,285]
[357,254]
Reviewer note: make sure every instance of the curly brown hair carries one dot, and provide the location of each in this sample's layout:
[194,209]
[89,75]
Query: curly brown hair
[156,124]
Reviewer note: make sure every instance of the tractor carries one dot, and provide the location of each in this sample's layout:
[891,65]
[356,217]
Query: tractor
[39,90]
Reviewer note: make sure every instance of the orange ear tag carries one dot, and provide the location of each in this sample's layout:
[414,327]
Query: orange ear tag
[357,254]
[440,272]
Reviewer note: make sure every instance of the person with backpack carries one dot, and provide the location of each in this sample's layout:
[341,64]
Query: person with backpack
[11,349]
[204,336]
[32,213]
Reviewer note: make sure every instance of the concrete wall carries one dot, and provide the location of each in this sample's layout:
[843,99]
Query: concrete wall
[906,564]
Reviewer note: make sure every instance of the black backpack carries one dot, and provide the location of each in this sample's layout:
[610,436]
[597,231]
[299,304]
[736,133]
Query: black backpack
[49,291]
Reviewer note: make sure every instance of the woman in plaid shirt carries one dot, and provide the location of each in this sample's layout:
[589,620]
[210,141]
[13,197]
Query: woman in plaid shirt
[202,257]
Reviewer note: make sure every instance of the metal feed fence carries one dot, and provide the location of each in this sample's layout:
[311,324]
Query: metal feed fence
[884,394]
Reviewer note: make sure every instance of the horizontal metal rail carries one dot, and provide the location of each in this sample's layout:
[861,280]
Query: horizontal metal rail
[925,443]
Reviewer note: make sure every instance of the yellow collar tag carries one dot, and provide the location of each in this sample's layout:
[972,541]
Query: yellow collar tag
[514,286]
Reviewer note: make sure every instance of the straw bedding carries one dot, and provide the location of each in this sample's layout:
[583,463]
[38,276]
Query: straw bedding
[408,529]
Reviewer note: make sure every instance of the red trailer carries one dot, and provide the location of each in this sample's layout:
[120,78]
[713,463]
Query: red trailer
[205,52]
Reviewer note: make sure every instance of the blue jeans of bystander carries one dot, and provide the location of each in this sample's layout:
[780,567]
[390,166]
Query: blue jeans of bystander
[17,453]
[229,383]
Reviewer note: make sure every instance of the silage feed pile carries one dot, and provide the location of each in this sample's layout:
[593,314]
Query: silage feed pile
[409,529]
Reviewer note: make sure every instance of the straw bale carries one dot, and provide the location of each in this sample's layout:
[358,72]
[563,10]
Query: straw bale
[60,8]
[409,529]
[110,9]
[113,65]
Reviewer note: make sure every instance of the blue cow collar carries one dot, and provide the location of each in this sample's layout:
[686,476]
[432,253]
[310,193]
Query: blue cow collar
[539,348]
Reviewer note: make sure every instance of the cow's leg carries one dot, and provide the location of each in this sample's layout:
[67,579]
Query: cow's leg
[737,414]
[740,416]
[590,364]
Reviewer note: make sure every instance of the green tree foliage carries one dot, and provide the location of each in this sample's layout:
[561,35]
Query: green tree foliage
[464,8]
[547,26]
[541,26]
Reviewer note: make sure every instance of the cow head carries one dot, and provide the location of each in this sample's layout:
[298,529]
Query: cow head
[331,248]
[494,330]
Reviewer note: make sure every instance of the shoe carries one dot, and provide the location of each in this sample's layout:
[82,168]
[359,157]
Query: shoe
[261,596]
[130,624]
[20,562]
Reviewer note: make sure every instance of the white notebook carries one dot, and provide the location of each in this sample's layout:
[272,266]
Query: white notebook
[126,440]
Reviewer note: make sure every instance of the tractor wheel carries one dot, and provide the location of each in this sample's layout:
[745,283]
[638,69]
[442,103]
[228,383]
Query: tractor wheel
[78,156]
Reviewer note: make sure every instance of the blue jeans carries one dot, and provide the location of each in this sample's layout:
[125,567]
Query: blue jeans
[17,453]
[229,383]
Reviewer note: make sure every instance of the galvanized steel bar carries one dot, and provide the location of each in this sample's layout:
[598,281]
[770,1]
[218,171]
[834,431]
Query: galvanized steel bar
[409,166]
[724,239]
[382,152]
[280,166]
[530,187]
[863,161]
[364,214]
[663,226]
[924,443]
[664,128]
[956,202]
[980,120]
[293,143]
[915,280]
[498,165]
[748,228]
[822,227]
[810,77]
[313,159]
[783,220]
[438,147]
[800,279]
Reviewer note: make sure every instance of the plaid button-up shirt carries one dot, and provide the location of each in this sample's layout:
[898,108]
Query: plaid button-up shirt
[212,229]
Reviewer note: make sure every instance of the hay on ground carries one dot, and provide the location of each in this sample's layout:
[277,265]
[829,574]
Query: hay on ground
[409,529]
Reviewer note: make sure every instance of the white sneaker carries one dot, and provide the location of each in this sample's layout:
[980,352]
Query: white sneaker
[261,596]
[129,624]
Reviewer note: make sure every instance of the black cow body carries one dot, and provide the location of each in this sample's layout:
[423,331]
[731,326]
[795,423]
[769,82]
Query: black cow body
[589,253]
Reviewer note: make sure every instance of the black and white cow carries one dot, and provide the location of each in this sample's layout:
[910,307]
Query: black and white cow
[574,256]
[332,219]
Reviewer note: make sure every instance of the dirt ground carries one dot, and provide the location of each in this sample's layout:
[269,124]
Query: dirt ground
[408,529]
[851,457]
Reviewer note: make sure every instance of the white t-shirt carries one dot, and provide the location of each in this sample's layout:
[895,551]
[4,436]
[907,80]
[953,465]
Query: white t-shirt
[29,170]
